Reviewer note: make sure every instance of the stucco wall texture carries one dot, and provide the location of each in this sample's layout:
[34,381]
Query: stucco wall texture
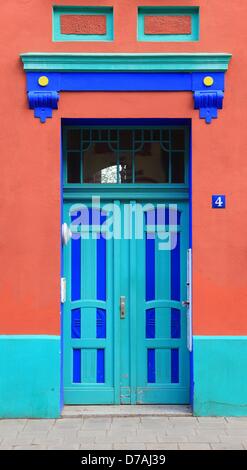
[83,24]
[30,189]
[167,24]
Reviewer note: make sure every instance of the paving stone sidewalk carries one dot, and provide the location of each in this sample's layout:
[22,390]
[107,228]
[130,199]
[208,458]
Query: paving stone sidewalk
[130,433]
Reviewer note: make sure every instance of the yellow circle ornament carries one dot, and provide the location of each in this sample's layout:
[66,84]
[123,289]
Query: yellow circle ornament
[43,81]
[208,81]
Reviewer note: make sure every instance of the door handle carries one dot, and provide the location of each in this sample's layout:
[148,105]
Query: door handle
[186,303]
[66,234]
[122,306]
[63,290]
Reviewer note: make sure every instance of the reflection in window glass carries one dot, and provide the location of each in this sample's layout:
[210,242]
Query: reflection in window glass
[99,164]
[125,167]
[152,164]
[109,175]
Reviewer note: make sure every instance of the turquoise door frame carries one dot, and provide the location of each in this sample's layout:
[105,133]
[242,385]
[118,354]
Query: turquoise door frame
[125,363]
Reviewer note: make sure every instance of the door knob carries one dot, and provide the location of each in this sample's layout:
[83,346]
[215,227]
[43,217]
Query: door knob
[186,303]
[66,234]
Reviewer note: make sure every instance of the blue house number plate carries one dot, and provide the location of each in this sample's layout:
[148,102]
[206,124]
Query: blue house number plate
[218,201]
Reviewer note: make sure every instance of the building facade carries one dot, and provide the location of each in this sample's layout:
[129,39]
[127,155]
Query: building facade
[123,228]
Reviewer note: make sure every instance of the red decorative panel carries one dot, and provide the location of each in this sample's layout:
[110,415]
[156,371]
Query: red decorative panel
[83,24]
[167,24]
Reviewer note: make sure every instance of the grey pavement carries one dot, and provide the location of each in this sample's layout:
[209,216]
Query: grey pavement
[124,432]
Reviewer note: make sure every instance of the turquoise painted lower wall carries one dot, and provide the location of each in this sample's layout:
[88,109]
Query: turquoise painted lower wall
[30,376]
[220,376]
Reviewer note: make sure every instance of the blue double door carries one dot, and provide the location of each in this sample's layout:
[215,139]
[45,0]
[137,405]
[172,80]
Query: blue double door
[124,323]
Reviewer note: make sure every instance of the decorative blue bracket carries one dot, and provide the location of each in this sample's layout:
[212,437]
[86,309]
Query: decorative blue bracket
[208,103]
[43,102]
[48,74]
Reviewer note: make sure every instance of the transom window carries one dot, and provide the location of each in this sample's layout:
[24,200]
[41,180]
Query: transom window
[125,155]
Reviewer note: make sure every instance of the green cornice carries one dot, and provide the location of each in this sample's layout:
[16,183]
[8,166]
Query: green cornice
[169,62]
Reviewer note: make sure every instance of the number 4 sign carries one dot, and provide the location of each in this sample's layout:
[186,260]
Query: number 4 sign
[218,201]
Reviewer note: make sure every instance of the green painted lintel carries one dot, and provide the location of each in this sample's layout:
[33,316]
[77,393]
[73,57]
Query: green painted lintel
[168,62]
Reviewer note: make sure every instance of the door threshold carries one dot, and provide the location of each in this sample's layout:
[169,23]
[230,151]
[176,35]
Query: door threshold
[95,411]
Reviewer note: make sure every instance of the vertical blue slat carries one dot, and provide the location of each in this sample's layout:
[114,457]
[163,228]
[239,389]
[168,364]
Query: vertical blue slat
[175,323]
[170,216]
[76,269]
[167,216]
[76,261]
[76,365]
[151,365]
[101,268]
[76,323]
[174,366]
[175,289]
[91,213]
[150,268]
[175,270]
[150,323]
[100,366]
[75,265]
[100,323]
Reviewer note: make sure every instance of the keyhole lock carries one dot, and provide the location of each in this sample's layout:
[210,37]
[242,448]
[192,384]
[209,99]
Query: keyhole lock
[122,307]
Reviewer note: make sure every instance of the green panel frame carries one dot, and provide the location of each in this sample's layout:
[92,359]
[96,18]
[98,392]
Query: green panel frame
[82,10]
[193,12]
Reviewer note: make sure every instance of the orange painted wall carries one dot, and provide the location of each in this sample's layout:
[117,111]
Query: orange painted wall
[30,164]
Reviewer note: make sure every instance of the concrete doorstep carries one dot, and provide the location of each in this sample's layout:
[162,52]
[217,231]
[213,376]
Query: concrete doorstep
[92,411]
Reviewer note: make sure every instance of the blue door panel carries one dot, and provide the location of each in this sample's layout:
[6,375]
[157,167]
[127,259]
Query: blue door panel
[162,356]
[88,312]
